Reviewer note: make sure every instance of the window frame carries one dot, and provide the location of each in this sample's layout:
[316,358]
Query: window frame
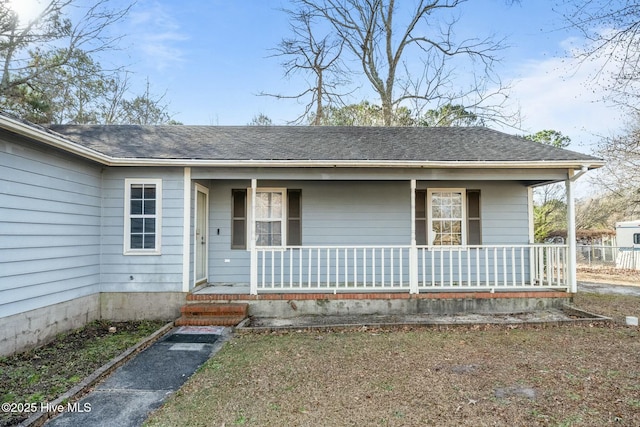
[282,220]
[294,223]
[128,184]
[240,218]
[289,220]
[463,219]
[474,219]
[421,214]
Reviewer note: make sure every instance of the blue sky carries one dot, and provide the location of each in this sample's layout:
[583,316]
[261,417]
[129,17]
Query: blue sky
[212,59]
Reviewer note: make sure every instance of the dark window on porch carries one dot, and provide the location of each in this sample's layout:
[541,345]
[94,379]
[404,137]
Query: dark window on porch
[421,217]
[294,217]
[474,229]
[239,218]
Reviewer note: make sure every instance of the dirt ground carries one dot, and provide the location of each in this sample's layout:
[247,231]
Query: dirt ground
[609,275]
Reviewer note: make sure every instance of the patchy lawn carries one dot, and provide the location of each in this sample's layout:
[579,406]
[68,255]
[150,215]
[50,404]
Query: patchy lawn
[43,374]
[615,306]
[477,375]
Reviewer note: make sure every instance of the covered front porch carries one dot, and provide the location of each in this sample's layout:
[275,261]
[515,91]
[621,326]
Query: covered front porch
[361,247]
[368,212]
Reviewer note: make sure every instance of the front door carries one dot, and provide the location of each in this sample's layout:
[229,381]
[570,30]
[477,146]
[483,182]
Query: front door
[201,233]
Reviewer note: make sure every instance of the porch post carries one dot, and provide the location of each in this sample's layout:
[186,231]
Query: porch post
[253,289]
[413,250]
[571,234]
[186,229]
[532,238]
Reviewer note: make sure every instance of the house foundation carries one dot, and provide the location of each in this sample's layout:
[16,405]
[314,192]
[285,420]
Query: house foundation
[126,306]
[34,328]
[342,304]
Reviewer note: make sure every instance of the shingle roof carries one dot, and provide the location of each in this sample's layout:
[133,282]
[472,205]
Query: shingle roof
[274,143]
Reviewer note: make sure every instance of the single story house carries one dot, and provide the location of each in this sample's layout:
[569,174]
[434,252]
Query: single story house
[123,222]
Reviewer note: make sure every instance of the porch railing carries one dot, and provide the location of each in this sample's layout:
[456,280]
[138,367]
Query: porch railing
[390,268]
[493,266]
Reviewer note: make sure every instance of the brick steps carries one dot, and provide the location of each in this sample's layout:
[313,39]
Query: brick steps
[212,314]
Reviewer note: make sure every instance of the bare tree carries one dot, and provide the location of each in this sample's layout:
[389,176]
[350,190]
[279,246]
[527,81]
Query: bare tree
[260,119]
[612,31]
[371,31]
[450,115]
[621,174]
[602,211]
[316,57]
[52,40]
[116,87]
[145,109]
[50,73]
[365,114]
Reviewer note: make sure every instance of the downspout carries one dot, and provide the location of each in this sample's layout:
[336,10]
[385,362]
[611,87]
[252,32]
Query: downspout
[571,228]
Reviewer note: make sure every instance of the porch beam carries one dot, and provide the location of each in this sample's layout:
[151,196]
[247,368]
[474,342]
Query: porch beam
[380,174]
[253,286]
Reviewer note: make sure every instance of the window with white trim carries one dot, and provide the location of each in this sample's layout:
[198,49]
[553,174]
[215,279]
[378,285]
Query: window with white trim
[142,216]
[446,219]
[278,217]
[269,217]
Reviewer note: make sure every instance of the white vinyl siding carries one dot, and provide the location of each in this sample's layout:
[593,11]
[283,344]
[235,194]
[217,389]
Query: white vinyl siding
[332,213]
[159,273]
[142,216]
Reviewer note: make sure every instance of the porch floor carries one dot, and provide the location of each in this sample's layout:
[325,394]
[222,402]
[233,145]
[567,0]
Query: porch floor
[222,289]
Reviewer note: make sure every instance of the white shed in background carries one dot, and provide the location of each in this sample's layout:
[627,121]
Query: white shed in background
[628,240]
[628,234]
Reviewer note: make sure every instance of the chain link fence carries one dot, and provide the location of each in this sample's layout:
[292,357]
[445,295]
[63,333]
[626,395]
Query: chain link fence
[593,256]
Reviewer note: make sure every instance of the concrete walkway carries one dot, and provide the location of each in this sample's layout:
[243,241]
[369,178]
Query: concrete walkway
[605,288]
[126,398]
